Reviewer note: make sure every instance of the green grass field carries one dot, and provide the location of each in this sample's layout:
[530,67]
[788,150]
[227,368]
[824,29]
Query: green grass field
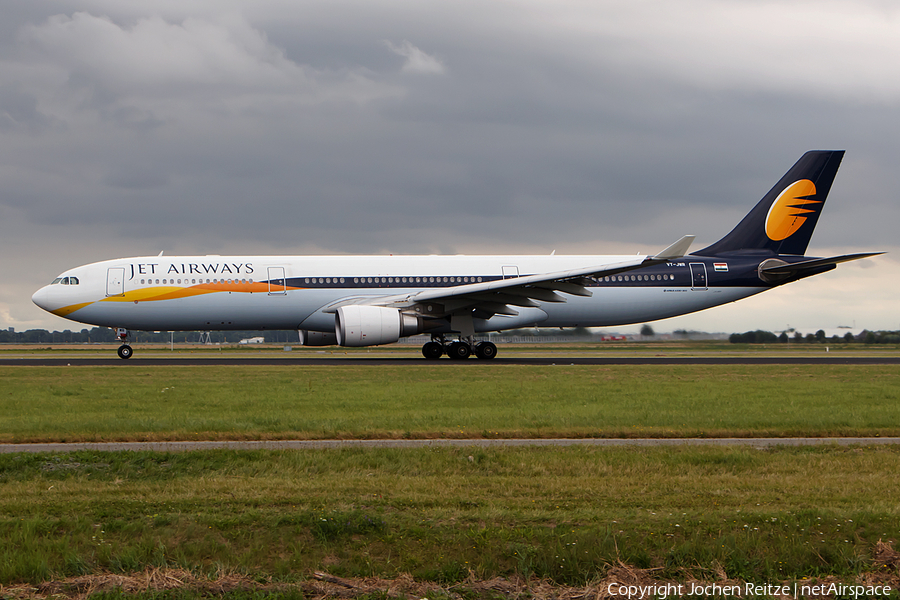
[444,514]
[188,403]
[441,513]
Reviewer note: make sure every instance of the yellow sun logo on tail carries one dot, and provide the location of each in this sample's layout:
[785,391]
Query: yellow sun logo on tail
[786,213]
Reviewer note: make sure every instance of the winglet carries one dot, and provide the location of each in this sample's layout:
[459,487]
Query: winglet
[676,250]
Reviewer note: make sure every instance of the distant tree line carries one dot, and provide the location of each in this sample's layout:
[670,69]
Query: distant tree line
[107,335]
[767,337]
[575,332]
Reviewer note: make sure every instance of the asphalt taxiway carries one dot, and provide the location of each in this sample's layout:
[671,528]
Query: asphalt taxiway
[156,360]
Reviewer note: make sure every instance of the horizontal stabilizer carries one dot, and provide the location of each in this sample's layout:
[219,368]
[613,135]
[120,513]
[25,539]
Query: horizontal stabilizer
[792,268]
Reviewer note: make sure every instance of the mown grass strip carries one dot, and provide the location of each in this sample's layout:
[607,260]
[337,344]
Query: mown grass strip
[441,513]
[184,403]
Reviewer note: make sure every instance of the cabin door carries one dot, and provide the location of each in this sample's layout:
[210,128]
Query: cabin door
[510,271]
[698,276]
[115,281]
[277,284]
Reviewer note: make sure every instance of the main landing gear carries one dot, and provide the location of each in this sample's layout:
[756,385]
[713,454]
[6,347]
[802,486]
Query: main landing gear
[460,349]
[124,350]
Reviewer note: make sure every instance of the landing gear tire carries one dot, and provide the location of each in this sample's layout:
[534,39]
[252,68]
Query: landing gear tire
[432,350]
[125,351]
[485,350]
[459,351]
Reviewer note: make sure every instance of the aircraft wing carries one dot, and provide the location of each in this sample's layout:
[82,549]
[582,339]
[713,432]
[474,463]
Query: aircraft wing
[489,298]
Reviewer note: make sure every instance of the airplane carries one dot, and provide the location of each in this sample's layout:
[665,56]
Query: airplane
[357,301]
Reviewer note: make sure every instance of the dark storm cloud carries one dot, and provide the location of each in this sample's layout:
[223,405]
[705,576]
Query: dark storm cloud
[409,127]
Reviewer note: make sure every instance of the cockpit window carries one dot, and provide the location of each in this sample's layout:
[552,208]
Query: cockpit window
[65,281]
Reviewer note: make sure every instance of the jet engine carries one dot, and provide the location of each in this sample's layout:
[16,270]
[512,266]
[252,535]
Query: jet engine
[356,325]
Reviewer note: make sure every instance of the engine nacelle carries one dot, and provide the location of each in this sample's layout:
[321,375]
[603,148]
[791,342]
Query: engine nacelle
[317,338]
[356,325]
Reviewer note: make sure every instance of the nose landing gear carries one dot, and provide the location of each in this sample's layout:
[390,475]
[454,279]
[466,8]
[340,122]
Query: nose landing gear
[125,351]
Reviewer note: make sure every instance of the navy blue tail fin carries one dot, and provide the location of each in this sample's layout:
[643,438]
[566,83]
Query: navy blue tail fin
[784,219]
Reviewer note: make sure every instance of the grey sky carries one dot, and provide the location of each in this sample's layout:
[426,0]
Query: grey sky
[410,127]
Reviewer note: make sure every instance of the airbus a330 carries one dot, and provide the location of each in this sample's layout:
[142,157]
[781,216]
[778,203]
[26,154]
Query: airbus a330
[373,300]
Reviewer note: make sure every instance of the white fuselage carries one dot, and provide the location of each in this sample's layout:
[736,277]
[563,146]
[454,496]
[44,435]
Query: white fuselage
[295,292]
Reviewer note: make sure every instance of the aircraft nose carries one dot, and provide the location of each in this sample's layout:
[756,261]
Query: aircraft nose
[41,297]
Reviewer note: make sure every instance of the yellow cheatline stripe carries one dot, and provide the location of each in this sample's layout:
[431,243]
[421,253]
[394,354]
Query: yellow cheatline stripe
[173,292]
[68,310]
[154,293]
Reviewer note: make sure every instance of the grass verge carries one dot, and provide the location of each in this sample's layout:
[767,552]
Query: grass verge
[445,514]
[288,402]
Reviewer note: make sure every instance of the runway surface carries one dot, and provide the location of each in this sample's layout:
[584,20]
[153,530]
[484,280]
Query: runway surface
[356,360]
[469,443]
